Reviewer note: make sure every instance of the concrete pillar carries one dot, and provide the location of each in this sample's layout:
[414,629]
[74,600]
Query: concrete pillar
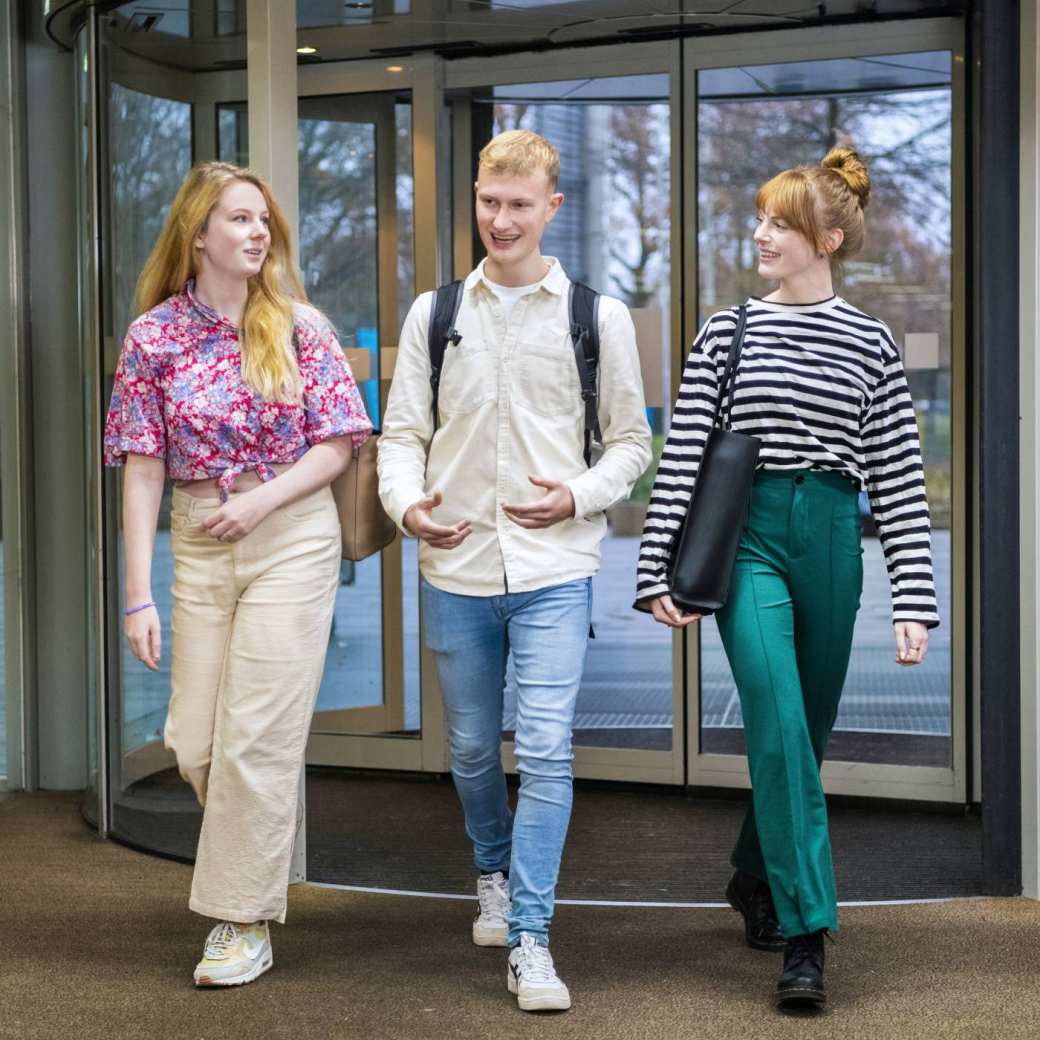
[271,73]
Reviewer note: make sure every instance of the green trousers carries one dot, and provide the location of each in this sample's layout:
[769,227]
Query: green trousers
[787,630]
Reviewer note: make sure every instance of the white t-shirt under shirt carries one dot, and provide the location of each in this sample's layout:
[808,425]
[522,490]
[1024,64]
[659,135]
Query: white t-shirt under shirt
[509,294]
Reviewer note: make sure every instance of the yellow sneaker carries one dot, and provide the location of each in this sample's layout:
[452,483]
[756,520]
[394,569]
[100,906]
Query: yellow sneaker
[234,954]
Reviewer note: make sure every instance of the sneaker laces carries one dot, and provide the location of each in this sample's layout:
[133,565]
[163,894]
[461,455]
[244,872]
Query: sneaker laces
[220,941]
[493,896]
[536,963]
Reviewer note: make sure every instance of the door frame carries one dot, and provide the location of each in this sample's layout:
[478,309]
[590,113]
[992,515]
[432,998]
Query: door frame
[794,45]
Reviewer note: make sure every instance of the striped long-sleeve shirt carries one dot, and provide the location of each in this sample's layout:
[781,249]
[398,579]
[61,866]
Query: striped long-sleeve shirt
[822,387]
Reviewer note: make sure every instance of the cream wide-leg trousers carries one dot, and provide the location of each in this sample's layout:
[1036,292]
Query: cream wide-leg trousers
[251,624]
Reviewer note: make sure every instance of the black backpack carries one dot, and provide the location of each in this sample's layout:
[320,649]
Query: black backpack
[583,304]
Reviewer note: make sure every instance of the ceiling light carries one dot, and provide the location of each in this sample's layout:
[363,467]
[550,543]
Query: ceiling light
[306,50]
[395,68]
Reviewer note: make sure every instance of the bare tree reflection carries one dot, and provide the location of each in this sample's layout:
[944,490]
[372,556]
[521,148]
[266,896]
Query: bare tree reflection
[150,145]
[903,274]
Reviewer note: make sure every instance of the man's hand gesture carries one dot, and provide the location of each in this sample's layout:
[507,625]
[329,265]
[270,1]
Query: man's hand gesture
[418,520]
[555,505]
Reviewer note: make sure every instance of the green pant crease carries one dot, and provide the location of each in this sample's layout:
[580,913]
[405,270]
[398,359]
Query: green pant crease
[787,630]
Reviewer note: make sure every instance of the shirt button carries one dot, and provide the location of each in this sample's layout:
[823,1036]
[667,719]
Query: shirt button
[800,479]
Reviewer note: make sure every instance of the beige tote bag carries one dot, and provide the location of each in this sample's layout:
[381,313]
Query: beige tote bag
[365,526]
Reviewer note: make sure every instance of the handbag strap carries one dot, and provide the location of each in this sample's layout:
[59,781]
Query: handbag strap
[730,372]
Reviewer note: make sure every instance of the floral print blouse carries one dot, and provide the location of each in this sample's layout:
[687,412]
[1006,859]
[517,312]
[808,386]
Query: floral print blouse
[179,395]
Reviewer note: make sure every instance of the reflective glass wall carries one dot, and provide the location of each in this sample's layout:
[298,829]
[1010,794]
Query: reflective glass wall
[149,154]
[153,132]
[613,233]
[357,260]
[897,111]
[358,264]
[361,138]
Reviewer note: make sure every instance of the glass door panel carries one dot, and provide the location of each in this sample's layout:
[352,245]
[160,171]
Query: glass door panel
[357,260]
[897,110]
[614,232]
[150,152]
[150,117]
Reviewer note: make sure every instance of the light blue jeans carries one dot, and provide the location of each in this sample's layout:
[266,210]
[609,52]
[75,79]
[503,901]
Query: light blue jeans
[545,632]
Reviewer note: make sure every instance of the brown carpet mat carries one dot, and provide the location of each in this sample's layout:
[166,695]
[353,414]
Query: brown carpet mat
[636,843]
[97,943]
[643,844]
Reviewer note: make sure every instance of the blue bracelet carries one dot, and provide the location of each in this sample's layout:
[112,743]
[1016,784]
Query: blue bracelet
[135,610]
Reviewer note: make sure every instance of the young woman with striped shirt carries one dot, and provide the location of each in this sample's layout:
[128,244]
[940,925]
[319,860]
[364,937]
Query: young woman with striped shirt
[821,385]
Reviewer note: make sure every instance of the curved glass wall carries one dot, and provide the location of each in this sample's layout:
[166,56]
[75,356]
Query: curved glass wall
[149,154]
[159,71]
[385,156]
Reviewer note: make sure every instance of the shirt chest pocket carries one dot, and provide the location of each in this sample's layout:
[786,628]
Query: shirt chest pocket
[547,376]
[469,377]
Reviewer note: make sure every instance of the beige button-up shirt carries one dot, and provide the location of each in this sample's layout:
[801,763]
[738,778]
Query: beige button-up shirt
[511,408]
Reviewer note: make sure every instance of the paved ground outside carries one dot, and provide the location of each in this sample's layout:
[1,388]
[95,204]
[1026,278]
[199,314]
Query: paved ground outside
[628,672]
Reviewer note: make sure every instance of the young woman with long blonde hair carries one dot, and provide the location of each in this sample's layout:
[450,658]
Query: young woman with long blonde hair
[233,387]
[821,385]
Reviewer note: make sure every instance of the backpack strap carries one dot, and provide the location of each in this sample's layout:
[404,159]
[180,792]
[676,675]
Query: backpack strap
[443,313]
[584,316]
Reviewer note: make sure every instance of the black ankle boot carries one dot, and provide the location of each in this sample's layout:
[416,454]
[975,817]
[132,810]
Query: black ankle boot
[752,899]
[801,981]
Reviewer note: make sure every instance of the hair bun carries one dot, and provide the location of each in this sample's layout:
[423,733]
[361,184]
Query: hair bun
[853,170]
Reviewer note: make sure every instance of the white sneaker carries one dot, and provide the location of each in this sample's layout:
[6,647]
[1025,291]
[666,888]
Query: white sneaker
[533,978]
[490,928]
[234,954]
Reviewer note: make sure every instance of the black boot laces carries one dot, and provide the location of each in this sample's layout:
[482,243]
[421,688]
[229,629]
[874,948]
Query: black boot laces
[805,948]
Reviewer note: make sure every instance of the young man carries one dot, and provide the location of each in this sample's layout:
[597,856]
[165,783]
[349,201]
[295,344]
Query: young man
[510,520]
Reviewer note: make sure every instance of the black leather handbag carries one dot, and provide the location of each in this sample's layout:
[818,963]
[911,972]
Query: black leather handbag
[702,565]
